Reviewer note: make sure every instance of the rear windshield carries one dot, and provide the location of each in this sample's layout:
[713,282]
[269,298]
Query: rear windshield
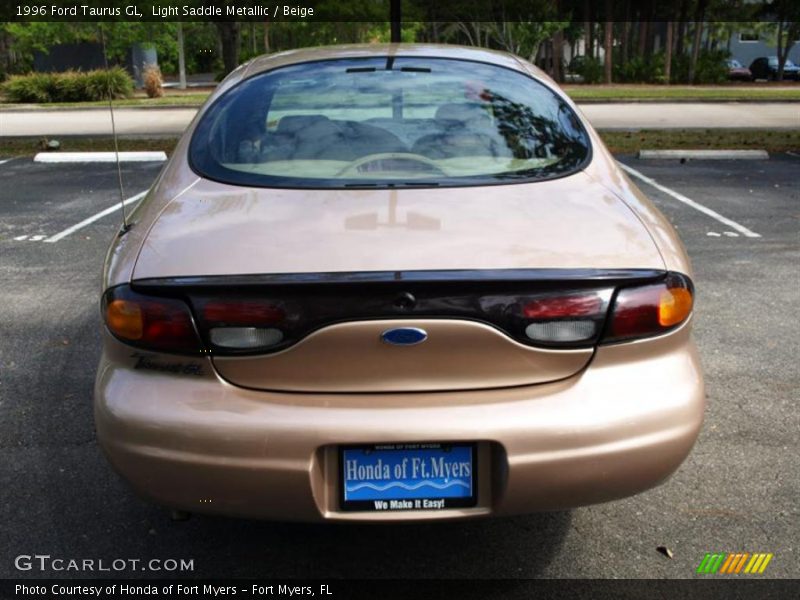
[388,122]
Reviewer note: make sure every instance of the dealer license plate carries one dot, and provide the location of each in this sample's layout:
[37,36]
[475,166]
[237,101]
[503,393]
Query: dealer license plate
[398,477]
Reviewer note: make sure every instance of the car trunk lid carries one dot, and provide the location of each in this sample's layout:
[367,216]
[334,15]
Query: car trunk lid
[300,290]
[572,222]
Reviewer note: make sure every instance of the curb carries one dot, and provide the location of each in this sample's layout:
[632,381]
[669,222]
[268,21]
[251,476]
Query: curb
[579,102]
[104,157]
[684,155]
[32,109]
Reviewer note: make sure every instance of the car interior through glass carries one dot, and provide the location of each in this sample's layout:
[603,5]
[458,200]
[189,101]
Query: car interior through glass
[379,122]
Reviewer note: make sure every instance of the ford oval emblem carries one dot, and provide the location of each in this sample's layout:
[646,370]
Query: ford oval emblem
[404,336]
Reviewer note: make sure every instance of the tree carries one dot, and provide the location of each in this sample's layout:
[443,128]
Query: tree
[668,53]
[521,28]
[29,37]
[588,26]
[558,55]
[608,44]
[5,51]
[230,34]
[181,59]
[683,16]
[626,33]
[558,46]
[787,13]
[699,19]
[524,38]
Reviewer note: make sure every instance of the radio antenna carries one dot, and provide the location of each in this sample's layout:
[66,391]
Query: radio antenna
[125,225]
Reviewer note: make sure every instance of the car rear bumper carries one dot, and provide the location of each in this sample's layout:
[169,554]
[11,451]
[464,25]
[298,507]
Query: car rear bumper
[200,444]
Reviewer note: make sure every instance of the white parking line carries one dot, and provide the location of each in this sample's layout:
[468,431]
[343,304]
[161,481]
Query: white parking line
[2,162]
[111,209]
[793,154]
[689,202]
[30,238]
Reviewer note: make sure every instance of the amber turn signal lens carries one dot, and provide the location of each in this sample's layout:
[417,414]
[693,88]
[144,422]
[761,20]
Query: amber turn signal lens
[674,306]
[124,318]
[155,323]
[650,310]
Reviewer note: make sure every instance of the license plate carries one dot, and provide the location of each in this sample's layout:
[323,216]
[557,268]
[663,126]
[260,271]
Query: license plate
[403,477]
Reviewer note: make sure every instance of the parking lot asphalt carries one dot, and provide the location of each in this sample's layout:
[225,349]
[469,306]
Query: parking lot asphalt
[737,492]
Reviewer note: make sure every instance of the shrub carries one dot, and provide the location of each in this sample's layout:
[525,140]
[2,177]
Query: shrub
[115,81]
[641,70]
[589,68]
[711,67]
[35,87]
[153,82]
[70,86]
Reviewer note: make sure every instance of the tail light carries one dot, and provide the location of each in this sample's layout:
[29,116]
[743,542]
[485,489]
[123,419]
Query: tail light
[242,319]
[242,324]
[150,322]
[650,310]
[571,319]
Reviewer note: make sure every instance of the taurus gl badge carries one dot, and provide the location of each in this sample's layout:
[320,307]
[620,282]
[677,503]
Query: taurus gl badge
[404,336]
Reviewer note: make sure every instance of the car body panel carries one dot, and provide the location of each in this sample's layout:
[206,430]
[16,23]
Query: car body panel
[351,357]
[554,428]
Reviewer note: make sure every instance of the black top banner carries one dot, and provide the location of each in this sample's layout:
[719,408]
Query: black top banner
[380,10]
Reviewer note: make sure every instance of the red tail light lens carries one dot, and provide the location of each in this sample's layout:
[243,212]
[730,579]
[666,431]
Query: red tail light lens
[242,313]
[564,306]
[650,310]
[150,322]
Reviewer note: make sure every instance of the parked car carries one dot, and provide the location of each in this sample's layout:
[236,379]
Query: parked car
[737,71]
[390,282]
[767,68]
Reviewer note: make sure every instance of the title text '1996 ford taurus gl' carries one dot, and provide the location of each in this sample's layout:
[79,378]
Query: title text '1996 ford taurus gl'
[395,282]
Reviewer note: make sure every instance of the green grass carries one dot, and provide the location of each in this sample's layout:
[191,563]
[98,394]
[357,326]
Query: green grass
[619,142]
[189,99]
[588,93]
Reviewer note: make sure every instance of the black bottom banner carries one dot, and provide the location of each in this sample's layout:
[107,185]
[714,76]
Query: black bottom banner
[376,589]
